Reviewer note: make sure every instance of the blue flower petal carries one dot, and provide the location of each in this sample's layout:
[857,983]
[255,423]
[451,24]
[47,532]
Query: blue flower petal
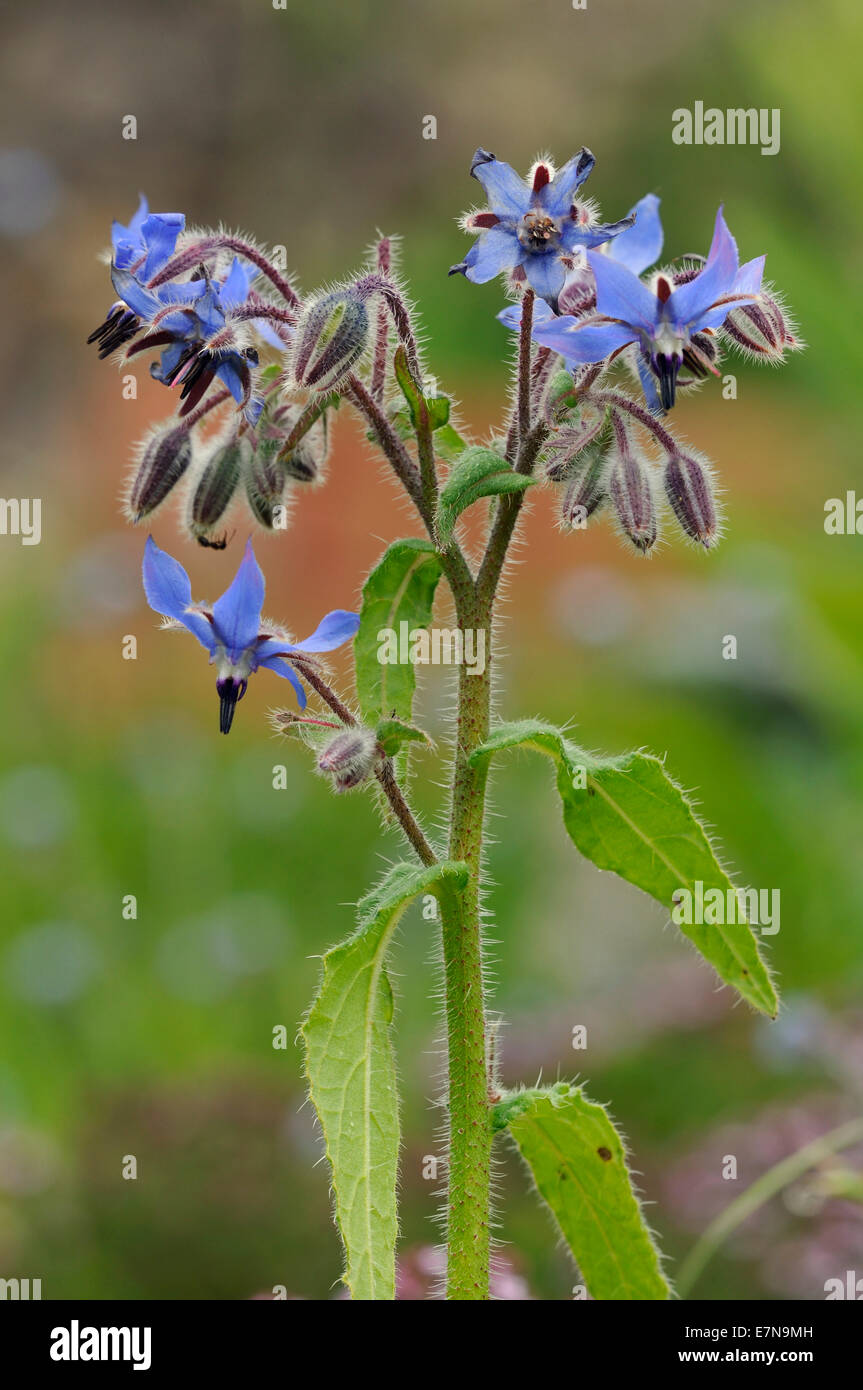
[160,231]
[579,346]
[227,372]
[235,287]
[130,236]
[237,614]
[337,627]
[508,194]
[621,295]
[574,235]
[139,300]
[640,246]
[510,317]
[546,274]
[493,253]
[749,276]
[648,386]
[556,198]
[281,668]
[690,303]
[169,592]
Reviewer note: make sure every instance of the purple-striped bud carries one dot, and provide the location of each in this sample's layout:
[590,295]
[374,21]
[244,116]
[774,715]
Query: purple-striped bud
[763,329]
[266,487]
[351,758]
[218,480]
[631,489]
[330,339]
[690,491]
[165,456]
[586,492]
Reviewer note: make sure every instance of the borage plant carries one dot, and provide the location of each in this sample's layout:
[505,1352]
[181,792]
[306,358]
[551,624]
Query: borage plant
[604,345]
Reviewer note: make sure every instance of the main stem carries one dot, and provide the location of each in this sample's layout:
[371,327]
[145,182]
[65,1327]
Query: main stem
[470,1134]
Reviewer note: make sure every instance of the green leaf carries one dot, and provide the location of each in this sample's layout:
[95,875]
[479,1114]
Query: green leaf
[393,733]
[399,590]
[448,442]
[352,1077]
[478,472]
[579,1165]
[627,815]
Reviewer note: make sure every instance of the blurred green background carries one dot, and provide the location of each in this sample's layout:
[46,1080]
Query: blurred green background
[153,1037]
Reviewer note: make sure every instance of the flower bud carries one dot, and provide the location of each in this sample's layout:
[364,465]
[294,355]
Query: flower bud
[350,758]
[763,329]
[266,485]
[690,492]
[331,336]
[587,491]
[305,462]
[165,457]
[217,482]
[630,487]
[563,450]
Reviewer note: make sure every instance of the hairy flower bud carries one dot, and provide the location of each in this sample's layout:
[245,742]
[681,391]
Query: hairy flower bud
[587,490]
[217,483]
[165,456]
[566,445]
[690,492]
[631,490]
[350,758]
[266,487]
[763,329]
[331,336]
[305,462]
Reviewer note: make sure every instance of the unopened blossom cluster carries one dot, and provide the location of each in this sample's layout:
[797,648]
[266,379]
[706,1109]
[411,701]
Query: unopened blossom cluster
[257,370]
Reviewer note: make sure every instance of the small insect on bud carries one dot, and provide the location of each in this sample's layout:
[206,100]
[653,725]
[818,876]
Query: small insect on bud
[586,492]
[217,482]
[331,336]
[630,486]
[690,492]
[763,329]
[164,459]
[350,758]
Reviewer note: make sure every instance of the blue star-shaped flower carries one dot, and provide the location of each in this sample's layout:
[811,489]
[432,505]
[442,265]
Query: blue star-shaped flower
[659,318]
[232,631]
[532,230]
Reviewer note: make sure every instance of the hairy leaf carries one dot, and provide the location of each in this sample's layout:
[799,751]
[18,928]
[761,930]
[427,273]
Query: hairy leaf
[399,591]
[478,472]
[579,1165]
[352,1076]
[627,815]
[393,733]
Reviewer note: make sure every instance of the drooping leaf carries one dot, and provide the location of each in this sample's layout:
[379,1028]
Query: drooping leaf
[478,472]
[448,442]
[393,733]
[627,815]
[579,1165]
[397,598]
[352,1076]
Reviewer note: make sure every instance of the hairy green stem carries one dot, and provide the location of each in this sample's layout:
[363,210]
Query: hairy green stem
[470,1132]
